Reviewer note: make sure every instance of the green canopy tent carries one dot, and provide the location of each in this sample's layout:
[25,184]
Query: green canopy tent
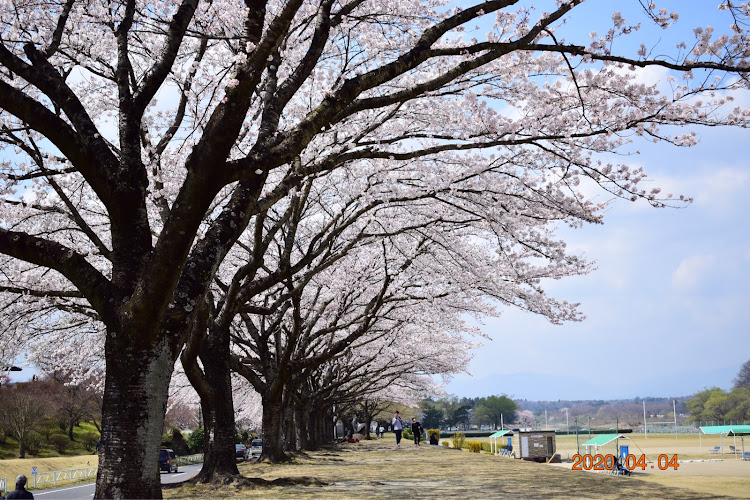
[742,431]
[729,430]
[601,440]
[494,448]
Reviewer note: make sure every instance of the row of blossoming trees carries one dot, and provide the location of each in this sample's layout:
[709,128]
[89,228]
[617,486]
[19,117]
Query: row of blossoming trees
[312,196]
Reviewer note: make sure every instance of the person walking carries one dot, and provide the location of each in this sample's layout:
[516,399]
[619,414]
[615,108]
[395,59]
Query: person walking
[416,429]
[20,492]
[398,428]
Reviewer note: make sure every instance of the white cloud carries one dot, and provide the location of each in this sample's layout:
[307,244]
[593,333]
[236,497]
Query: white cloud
[720,188]
[692,271]
[651,75]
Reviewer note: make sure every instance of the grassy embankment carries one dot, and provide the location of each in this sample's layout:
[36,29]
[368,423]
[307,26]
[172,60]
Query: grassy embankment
[9,448]
[13,467]
[376,469]
[76,456]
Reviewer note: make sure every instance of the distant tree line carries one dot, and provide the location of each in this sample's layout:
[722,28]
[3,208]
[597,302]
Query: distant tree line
[461,413]
[720,405]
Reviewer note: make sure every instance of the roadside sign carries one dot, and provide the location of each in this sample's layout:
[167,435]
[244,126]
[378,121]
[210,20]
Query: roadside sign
[34,470]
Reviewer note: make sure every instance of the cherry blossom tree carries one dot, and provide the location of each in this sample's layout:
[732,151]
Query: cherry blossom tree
[371,381]
[248,409]
[140,139]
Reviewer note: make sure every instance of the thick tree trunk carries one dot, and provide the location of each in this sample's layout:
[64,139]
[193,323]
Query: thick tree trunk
[368,423]
[290,427]
[135,399]
[218,427]
[273,435]
[217,407]
[302,421]
[327,426]
[319,430]
[218,445]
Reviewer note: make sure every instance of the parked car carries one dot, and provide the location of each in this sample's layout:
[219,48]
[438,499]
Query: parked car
[240,452]
[167,460]
[256,447]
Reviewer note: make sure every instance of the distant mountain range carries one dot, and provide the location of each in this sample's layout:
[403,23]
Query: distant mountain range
[619,385]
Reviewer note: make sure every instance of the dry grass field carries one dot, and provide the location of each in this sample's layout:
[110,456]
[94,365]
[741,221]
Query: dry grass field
[11,468]
[376,469]
[700,471]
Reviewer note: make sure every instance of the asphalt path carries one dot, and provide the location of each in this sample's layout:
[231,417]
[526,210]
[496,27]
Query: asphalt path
[86,491]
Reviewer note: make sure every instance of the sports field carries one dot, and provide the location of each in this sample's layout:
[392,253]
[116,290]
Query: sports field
[377,469]
[698,469]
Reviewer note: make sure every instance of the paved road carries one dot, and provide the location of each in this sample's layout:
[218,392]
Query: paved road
[86,491]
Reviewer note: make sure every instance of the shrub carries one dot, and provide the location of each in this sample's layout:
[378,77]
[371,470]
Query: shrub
[446,444]
[195,441]
[430,432]
[33,442]
[458,440]
[60,442]
[474,446]
[166,440]
[179,445]
[89,439]
[47,428]
[407,434]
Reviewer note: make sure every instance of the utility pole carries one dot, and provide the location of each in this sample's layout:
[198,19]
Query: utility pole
[617,431]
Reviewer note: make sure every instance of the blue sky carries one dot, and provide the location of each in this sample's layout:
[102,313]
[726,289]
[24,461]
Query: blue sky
[668,309]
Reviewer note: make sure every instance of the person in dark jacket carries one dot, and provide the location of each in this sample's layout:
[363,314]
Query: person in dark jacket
[20,492]
[416,429]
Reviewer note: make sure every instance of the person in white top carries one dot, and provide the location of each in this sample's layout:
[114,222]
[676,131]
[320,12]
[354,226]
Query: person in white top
[398,428]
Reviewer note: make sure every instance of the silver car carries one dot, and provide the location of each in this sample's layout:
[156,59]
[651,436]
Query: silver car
[256,447]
